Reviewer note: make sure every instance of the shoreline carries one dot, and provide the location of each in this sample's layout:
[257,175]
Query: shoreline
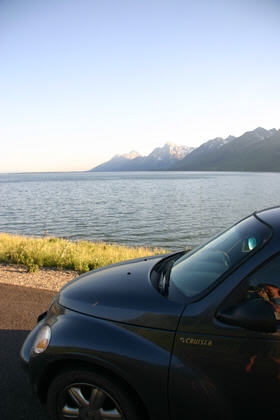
[51,252]
[44,278]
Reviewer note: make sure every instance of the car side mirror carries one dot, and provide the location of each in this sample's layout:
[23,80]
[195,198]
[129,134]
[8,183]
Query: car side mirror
[255,314]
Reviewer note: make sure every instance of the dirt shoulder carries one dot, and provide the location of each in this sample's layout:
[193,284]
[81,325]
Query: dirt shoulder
[44,278]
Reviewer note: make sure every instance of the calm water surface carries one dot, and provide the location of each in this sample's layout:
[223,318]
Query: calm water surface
[159,209]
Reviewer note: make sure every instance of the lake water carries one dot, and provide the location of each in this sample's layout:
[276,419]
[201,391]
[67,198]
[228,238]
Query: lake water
[156,209]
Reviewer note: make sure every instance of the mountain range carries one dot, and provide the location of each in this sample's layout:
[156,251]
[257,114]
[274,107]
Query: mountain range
[257,150]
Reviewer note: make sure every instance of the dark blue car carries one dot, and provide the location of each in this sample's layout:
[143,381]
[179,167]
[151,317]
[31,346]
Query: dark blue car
[188,335]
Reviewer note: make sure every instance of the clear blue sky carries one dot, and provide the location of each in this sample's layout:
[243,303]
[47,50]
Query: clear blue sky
[82,80]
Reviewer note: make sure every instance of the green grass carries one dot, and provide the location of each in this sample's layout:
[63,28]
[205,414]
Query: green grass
[59,253]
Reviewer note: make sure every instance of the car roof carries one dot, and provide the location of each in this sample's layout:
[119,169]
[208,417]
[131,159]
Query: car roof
[270,216]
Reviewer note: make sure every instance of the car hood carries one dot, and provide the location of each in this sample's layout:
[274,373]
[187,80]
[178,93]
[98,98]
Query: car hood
[122,292]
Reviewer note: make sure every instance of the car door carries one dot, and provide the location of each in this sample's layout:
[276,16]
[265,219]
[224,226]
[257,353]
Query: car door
[222,369]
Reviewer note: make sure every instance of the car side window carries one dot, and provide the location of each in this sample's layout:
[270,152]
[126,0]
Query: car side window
[264,283]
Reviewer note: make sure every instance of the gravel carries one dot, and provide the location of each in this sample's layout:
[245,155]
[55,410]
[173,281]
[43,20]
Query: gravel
[44,278]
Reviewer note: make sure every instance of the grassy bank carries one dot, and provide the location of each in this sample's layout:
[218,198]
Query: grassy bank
[81,256]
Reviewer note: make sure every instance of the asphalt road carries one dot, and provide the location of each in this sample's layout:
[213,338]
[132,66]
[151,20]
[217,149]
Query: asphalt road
[19,308]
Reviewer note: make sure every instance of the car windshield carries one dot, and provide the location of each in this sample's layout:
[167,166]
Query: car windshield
[195,272]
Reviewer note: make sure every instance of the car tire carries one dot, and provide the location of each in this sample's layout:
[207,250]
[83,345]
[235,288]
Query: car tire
[84,394]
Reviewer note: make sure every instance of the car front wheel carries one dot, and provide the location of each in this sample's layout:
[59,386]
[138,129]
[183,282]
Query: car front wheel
[84,395]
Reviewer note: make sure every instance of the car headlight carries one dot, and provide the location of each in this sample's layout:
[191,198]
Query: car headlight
[42,340]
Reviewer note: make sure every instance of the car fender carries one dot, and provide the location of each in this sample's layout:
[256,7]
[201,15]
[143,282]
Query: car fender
[139,356]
